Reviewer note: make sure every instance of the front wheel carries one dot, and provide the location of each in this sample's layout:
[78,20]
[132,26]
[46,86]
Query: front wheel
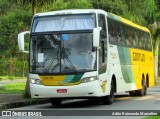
[108,100]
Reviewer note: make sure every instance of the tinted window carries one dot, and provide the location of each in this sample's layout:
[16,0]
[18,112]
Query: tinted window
[112,31]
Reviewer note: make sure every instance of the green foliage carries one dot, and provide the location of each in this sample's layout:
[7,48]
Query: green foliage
[79,4]
[138,11]
[16,88]
[114,6]
[59,5]
[11,23]
[70,4]
[141,11]
[10,78]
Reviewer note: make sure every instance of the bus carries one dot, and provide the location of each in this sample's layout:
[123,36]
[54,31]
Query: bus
[87,53]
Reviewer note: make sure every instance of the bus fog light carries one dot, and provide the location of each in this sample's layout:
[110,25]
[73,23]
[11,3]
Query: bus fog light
[89,79]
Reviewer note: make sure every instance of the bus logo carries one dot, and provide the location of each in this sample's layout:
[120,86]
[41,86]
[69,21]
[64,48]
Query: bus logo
[6,113]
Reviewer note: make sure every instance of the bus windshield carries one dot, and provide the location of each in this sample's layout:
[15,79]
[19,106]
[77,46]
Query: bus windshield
[63,23]
[62,53]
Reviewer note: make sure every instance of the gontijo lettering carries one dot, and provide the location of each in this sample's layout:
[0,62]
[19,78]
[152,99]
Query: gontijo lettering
[138,57]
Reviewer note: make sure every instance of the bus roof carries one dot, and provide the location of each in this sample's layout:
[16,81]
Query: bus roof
[81,11]
[71,11]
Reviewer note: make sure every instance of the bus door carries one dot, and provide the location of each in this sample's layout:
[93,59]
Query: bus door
[102,52]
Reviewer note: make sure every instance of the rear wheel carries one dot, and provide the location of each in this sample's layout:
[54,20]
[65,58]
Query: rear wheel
[145,88]
[108,100]
[55,101]
[142,91]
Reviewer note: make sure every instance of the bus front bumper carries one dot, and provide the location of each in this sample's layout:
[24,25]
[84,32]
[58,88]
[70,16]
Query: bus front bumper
[90,89]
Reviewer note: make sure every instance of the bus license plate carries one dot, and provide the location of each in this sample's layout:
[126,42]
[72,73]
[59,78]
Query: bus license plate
[61,90]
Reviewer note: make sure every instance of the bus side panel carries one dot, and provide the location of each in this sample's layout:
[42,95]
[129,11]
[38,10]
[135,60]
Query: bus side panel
[142,65]
[120,66]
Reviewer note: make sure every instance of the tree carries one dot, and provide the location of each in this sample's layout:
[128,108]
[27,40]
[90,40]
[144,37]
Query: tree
[10,25]
[155,33]
[13,20]
[114,6]
[140,12]
[70,4]
[35,3]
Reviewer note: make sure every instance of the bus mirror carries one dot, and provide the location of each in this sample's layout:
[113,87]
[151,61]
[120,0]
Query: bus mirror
[21,41]
[96,36]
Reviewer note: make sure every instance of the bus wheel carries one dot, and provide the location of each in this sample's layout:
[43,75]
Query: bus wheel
[55,101]
[108,100]
[145,88]
[142,91]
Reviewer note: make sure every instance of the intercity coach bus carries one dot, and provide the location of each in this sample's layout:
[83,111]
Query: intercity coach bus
[88,54]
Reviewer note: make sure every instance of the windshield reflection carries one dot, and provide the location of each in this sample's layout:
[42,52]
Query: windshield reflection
[62,53]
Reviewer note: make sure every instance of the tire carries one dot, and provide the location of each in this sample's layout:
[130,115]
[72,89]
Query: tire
[108,100]
[145,88]
[142,91]
[55,101]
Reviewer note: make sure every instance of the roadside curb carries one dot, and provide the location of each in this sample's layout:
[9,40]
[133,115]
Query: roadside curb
[4,106]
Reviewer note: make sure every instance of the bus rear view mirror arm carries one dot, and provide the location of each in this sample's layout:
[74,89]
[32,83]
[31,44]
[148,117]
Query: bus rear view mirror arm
[96,36]
[21,41]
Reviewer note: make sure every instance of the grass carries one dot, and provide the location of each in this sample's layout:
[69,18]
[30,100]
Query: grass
[153,117]
[10,78]
[15,88]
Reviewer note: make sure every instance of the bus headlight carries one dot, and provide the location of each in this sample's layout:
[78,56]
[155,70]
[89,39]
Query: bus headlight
[89,79]
[35,81]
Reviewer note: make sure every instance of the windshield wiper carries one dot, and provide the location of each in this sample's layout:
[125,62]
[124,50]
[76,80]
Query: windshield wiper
[69,61]
[49,65]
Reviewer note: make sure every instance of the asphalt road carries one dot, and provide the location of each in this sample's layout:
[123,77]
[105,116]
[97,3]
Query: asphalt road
[97,110]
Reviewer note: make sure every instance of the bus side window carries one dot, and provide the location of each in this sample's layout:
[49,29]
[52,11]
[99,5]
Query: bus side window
[140,40]
[130,33]
[143,41]
[148,42]
[126,36]
[119,35]
[129,37]
[134,37]
[112,32]
[122,31]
